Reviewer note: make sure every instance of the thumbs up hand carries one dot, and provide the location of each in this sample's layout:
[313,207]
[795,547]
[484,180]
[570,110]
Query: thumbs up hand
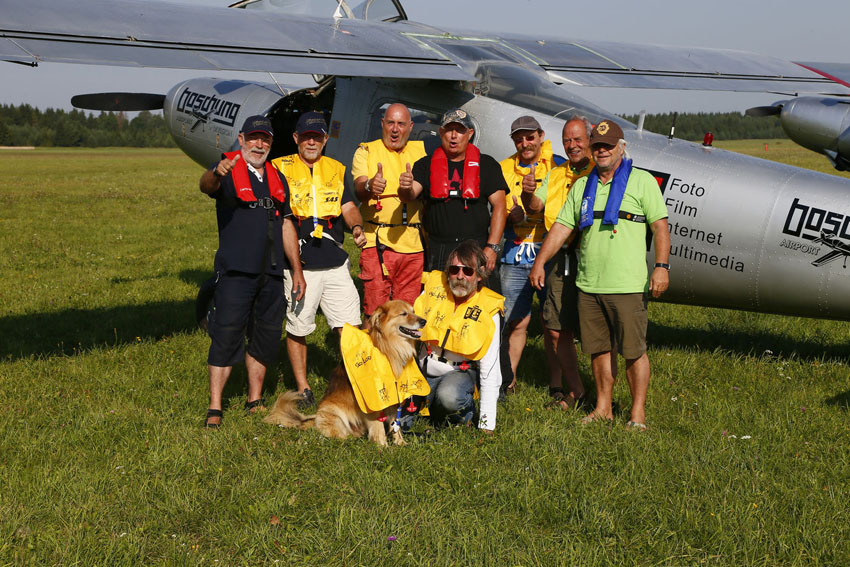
[529,182]
[226,165]
[517,213]
[377,184]
[405,180]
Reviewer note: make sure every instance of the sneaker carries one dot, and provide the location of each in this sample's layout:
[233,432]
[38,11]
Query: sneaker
[307,400]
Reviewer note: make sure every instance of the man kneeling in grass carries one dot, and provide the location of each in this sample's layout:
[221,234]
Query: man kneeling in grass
[256,243]
[461,339]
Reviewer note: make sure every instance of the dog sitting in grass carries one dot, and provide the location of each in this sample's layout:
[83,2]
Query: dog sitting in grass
[379,372]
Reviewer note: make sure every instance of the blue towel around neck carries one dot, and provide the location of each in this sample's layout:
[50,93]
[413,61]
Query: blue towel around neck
[615,196]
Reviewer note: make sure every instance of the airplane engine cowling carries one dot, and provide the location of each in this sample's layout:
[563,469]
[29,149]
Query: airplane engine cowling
[204,115]
[821,125]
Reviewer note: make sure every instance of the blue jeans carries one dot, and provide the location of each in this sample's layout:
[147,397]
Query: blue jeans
[450,399]
[517,290]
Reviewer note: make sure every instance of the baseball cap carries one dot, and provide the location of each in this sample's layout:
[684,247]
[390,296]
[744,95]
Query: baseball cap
[257,123]
[312,122]
[457,115]
[525,123]
[606,132]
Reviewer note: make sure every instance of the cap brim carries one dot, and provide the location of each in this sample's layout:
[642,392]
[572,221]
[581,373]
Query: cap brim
[259,130]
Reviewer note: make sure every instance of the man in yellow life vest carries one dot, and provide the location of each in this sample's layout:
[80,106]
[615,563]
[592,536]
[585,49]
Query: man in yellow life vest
[560,310]
[392,262]
[320,203]
[524,232]
[461,339]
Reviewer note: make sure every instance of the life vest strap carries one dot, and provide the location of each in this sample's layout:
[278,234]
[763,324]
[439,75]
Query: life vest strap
[623,215]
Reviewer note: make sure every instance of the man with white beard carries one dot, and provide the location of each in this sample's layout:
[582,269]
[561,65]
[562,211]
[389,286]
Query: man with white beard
[257,241]
[321,208]
[461,339]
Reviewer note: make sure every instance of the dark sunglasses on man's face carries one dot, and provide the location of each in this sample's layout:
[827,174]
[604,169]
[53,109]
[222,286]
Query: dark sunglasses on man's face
[467,271]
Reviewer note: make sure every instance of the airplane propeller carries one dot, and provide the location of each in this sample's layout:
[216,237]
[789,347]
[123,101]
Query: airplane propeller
[772,110]
[117,102]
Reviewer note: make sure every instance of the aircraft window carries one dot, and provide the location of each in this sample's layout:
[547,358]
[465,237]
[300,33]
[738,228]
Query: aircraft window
[426,126]
[374,10]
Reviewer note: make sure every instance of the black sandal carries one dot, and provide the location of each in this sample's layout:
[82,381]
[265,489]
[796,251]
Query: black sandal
[259,402]
[213,413]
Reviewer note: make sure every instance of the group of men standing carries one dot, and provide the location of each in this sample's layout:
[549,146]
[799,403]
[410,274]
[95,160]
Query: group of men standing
[461,202]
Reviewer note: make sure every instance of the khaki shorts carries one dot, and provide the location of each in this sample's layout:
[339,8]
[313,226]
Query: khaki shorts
[560,308]
[332,289]
[615,321]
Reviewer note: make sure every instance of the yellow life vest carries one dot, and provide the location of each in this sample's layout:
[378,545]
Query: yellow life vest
[466,329]
[561,180]
[371,374]
[397,233]
[313,194]
[531,229]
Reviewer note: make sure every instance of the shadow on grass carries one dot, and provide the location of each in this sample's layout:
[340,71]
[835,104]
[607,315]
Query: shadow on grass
[841,400]
[73,330]
[747,343]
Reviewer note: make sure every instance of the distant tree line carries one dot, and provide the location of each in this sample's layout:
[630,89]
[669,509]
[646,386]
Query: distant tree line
[27,126]
[724,125]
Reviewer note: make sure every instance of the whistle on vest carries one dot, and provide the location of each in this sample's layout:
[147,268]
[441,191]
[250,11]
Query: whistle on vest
[378,205]
[317,231]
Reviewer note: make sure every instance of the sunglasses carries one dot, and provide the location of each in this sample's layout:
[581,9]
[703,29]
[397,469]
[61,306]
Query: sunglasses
[467,271]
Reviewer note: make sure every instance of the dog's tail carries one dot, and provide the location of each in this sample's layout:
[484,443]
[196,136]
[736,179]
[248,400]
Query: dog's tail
[285,413]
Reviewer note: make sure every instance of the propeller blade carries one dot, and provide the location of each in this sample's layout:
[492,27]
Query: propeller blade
[771,110]
[119,101]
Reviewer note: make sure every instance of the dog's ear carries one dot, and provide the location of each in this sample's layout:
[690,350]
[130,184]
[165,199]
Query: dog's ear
[377,317]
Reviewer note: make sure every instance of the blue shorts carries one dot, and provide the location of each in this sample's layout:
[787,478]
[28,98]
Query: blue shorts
[518,291]
[246,306]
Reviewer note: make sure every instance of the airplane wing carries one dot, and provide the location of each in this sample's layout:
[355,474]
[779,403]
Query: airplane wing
[159,34]
[834,255]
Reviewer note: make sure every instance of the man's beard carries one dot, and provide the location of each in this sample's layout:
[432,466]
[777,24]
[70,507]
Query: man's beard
[255,160]
[461,288]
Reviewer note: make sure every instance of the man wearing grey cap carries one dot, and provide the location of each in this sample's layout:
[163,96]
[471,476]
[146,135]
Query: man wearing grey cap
[457,183]
[612,207]
[524,232]
[257,244]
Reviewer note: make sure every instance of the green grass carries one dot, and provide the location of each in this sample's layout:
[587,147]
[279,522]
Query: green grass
[103,388]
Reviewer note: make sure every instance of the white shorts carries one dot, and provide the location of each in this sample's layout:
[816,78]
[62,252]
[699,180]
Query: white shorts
[332,289]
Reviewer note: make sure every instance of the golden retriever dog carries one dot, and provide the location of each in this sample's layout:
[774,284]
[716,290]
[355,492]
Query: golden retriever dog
[393,329]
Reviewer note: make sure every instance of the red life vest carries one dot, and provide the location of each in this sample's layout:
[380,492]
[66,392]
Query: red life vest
[243,183]
[471,174]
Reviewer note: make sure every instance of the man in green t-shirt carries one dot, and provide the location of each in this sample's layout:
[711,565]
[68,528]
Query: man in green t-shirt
[611,208]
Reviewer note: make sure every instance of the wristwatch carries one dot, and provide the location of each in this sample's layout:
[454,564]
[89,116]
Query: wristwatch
[662,265]
[493,247]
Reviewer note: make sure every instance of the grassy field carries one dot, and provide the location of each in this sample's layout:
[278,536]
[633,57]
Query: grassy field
[103,388]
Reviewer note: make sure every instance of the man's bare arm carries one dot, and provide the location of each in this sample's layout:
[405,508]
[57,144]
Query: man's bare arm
[660,279]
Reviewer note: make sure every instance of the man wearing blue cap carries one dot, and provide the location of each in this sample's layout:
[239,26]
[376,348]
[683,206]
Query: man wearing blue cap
[257,243]
[320,203]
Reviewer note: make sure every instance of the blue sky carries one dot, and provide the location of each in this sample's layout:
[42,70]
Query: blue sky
[814,31]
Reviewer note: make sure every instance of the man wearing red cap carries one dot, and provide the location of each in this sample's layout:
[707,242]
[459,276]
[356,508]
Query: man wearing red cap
[612,207]
[257,244]
[320,205]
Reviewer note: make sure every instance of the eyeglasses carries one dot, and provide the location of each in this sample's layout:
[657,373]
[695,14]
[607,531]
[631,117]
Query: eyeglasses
[467,271]
[517,138]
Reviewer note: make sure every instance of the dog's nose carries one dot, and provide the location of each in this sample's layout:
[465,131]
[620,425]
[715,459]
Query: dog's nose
[422,321]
